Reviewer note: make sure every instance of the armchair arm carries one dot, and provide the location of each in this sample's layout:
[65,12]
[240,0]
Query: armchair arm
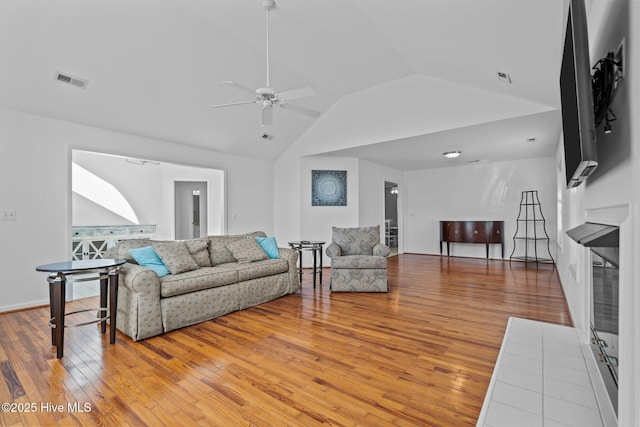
[381,250]
[333,250]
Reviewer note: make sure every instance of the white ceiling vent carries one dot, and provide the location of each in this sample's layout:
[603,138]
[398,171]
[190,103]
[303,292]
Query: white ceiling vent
[503,77]
[73,81]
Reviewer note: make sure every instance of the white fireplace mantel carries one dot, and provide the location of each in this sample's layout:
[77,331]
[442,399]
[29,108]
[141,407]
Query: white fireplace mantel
[611,215]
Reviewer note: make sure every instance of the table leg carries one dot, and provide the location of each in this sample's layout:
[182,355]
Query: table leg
[314,250]
[52,307]
[103,302]
[487,250]
[321,264]
[58,283]
[300,269]
[113,304]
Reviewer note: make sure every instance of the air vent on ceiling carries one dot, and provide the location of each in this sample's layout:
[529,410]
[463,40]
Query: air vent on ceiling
[503,77]
[73,81]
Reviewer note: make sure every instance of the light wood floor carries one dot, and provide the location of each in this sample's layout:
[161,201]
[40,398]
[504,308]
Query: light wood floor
[422,354]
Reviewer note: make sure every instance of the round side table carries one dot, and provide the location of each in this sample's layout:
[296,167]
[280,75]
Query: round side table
[105,270]
[315,247]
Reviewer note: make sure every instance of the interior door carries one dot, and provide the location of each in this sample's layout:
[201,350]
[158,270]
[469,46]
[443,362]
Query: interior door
[190,209]
[391,216]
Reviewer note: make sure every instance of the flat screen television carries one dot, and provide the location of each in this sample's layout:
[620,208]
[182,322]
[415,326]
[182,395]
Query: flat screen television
[578,123]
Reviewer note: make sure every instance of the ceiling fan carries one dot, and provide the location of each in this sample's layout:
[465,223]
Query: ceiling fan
[267,96]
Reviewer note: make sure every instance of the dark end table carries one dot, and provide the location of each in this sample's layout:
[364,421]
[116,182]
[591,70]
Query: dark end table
[315,247]
[106,270]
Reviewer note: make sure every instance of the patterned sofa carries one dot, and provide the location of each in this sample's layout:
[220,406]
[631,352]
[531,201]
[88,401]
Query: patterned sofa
[358,260]
[218,275]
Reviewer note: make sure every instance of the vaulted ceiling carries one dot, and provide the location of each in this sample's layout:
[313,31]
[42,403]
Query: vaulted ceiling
[393,79]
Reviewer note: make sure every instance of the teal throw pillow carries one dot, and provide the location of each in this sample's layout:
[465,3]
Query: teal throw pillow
[147,257]
[269,245]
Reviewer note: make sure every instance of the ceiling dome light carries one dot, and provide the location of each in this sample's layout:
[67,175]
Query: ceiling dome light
[452,154]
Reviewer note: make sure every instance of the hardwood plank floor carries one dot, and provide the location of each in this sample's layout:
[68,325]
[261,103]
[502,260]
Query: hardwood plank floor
[421,354]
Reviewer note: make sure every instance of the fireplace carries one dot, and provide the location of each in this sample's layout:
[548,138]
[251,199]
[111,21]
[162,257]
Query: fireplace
[603,240]
[604,318]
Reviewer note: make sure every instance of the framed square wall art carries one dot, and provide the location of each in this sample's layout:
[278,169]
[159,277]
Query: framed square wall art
[328,188]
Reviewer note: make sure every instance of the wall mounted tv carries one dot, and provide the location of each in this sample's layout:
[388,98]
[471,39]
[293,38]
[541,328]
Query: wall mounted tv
[578,123]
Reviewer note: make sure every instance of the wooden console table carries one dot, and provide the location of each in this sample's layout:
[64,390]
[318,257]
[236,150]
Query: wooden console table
[487,232]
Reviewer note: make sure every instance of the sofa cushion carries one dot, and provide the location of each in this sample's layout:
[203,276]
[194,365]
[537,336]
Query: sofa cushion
[175,256]
[359,261]
[124,246]
[147,257]
[269,245]
[247,250]
[356,241]
[199,251]
[218,252]
[195,280]
[254,270]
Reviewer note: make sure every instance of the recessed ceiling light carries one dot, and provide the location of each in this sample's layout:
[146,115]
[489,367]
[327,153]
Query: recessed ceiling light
[452,154]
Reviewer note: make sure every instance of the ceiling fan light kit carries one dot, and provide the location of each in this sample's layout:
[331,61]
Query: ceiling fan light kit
[266,96]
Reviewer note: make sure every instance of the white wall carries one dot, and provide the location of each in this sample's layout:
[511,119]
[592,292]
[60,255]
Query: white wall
[316,221]
[149,189]
[287,194]
[152,194]
[139,185]
[215,198]
[372,194]
[480,191]
[35,177]
[365,198]
[611,195]
[296,219]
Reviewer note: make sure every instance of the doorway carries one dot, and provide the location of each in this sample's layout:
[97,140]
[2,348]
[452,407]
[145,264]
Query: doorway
[391,235]
[191,209]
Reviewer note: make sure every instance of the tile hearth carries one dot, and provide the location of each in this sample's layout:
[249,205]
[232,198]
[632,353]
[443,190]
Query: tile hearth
[544,377]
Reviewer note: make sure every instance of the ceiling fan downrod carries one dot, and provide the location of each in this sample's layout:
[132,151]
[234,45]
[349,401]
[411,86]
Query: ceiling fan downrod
[268,5]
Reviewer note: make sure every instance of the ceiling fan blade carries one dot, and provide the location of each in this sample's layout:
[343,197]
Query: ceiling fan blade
[267,115]
[240,87]
[233,103]
[302,110]
[304,92]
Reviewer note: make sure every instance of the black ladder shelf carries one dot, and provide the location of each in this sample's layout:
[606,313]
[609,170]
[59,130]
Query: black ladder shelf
[531,230]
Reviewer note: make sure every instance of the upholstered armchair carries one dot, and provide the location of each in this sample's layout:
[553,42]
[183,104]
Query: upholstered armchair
[358,260]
